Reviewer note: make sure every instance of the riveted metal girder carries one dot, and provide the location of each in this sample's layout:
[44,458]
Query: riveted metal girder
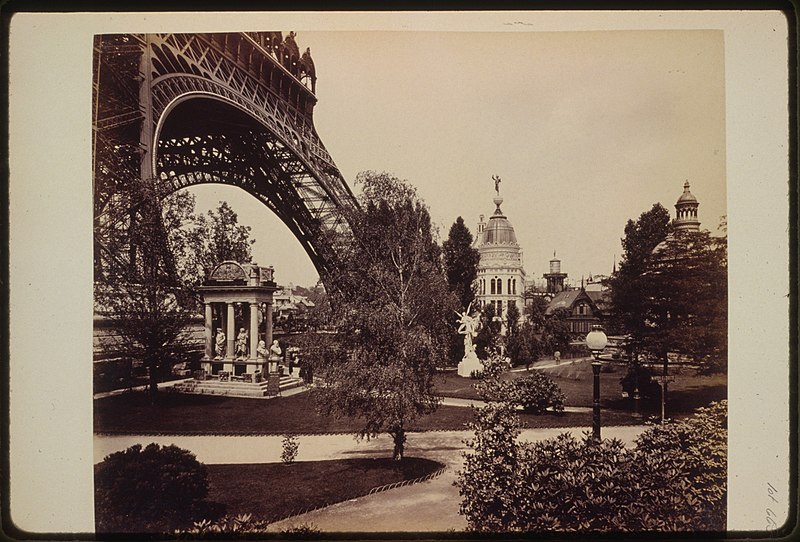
[232,108]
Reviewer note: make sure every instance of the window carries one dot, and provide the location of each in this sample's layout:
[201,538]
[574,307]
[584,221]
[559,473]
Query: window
[494,288]
[500,309]
[499,286]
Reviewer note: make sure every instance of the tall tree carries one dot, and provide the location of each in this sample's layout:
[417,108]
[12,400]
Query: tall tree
[670,293]
[488,338]
[627,298]
[148,311]
[393,316]
[686,296]
[461,265]
[461,262]
[199,242]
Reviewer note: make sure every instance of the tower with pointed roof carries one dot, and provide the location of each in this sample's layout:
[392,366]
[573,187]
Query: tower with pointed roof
[686,211]
[501,277]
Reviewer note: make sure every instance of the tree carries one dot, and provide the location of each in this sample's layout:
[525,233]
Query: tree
[525,346]
[148,311]
[670,293]
[393,314]
[488,332]
[461,265]
[686,296]
[556,332]
[199,242]
[461,262]
[627,297]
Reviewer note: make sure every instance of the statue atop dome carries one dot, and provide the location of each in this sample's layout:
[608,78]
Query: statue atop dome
[497,180]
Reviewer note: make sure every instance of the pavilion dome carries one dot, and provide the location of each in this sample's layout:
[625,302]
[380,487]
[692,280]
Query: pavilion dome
[499,230]
[687,196]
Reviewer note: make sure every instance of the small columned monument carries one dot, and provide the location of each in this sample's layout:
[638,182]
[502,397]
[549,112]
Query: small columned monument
[470,363]
[238,328]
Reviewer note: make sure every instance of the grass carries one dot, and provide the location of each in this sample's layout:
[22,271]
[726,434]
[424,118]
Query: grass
[688,392]
[201,414]
[252,488]
[272,491]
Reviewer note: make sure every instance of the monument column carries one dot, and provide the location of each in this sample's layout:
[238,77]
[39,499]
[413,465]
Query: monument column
[268,325]
[231,336]
[253,330]
[209,353]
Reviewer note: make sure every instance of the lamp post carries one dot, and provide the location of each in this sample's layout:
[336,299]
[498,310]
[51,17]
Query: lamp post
[596,340]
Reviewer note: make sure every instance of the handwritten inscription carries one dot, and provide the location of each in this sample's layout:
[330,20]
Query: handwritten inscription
[770,514]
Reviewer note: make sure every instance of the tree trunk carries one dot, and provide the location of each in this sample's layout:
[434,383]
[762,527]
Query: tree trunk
[399,437]
[152,382]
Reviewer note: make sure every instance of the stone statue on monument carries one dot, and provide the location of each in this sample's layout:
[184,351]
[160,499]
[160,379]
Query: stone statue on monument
[220,344]
[241,344]
[261,350]
[497,180]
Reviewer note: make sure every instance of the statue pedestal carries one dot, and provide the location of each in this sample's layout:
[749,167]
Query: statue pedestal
[470,364]
[274,384]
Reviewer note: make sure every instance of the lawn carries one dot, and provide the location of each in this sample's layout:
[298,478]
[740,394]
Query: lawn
[252,488]
[201,414]
[272,491]
[688,392]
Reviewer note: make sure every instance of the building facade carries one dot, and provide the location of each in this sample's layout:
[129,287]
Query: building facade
[501,276]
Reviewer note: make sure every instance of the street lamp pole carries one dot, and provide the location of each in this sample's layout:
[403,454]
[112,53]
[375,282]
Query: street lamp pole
[596,340]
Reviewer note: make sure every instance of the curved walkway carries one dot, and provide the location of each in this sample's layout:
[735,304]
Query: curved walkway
[430,506]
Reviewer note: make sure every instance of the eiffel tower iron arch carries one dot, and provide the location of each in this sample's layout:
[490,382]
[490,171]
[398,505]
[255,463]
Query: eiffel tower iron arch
[217,108]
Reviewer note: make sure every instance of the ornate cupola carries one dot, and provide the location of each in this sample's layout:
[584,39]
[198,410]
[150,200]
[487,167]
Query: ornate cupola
[501,276]
[686,211]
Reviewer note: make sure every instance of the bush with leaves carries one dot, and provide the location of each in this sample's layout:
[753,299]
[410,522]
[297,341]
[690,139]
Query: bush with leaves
[290,448]
[151,489]
[641,378]
[673,480]
[536,393]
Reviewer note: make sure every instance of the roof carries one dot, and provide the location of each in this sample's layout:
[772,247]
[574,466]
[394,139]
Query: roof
[566,300]
[601,299]
[687,196]
[499,230]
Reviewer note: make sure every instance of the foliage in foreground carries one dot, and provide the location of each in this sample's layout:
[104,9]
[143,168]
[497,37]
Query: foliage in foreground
[151,489]
[674,480]
[244,524]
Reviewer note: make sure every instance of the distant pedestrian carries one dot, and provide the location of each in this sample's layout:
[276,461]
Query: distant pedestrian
[557,356]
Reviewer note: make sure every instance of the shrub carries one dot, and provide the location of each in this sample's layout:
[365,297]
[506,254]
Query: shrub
[243,523]
[536,393]
[642,377]
[151,489]
[674,480]
[290,448]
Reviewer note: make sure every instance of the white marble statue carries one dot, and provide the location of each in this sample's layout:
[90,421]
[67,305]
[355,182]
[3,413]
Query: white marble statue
[241,344]
[220,344]
[467,329]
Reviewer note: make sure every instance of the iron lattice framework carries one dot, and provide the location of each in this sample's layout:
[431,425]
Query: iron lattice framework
[175,110]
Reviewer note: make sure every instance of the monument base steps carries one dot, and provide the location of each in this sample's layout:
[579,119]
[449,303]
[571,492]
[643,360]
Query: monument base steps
[238,389]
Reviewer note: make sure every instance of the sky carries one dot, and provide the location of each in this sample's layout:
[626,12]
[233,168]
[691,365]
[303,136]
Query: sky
[586,130]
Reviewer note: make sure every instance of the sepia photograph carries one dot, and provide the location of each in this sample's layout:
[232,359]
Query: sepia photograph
[424,275]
